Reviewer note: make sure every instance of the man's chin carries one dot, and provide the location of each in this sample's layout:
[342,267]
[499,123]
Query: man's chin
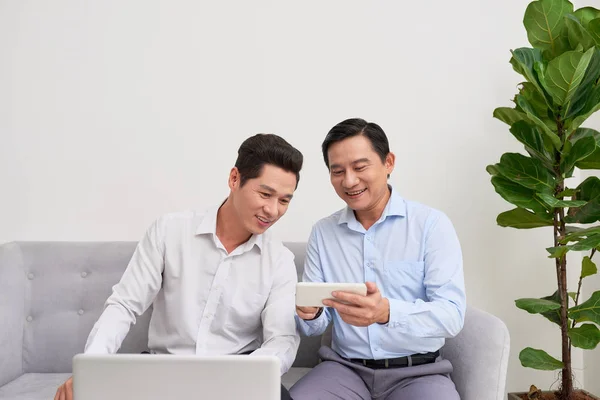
[257,230]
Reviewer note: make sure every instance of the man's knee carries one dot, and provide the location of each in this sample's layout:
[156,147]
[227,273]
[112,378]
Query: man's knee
[330,380]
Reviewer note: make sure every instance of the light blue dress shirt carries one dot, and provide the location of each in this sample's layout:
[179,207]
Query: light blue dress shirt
[413,255]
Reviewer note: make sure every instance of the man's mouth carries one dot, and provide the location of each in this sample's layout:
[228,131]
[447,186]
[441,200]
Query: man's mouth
[263,220]
[356,192]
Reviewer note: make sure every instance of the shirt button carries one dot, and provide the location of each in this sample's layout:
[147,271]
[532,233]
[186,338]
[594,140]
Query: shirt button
[84,274]
[29,318]
[80,312]
[30,276]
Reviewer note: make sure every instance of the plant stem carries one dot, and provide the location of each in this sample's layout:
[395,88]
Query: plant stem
[579,287]
[566,390]
[561,271]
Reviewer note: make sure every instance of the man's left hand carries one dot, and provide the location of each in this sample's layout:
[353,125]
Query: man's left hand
[359,310]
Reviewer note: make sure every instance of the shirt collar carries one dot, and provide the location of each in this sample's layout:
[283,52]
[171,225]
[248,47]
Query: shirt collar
[395,206]
[208,225]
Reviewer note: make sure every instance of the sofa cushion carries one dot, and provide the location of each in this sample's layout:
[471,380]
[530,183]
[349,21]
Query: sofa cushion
[33,387]
[293,375]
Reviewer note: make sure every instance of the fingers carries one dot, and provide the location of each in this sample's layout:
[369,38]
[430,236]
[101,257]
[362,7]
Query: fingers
[348,297]
[69,389]
[307,312]
[371,288]
[349,309]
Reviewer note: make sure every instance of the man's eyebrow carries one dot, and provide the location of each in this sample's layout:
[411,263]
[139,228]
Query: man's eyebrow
[360,160]
[271,190]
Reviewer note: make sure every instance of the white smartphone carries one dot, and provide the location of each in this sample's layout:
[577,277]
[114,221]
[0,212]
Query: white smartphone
[312,294]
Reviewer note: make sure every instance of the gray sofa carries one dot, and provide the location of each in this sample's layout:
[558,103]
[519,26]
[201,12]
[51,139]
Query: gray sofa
[51,293]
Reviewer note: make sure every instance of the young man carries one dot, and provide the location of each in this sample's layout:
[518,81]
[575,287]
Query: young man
[385,344]
[219,284]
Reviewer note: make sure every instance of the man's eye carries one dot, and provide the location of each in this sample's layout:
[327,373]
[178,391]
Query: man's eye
[284,202]
[360,168]
[337,172]
[265,195]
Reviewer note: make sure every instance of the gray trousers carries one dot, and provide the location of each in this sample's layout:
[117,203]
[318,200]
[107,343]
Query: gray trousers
[338,378]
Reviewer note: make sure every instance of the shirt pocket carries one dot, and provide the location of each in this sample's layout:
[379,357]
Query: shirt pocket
[246,310]
[405,277]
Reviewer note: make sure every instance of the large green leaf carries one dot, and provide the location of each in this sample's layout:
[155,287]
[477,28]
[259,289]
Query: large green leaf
[588,190]
[579,233]
[591,106]
[594,29]
[523,59]
[537,101]
[536,306]
[558,251]
[538,359]
[593,160]
[544,22]
[553,315]
[530,136]
[588,311]
[586,87]
[577,34]
[517,194]
[586,14]
[520,218]
[586,336]
[553,202]
[565,73]
[509,115]
[580,151]
[528,109]
[526,171]
[583,133]
[588,243]
[588,268]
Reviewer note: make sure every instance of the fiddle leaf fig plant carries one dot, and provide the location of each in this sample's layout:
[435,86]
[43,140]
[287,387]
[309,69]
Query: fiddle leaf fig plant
[559,92]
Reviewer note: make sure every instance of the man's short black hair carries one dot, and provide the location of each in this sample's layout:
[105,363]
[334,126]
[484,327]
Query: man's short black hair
[266,148]
[354,127]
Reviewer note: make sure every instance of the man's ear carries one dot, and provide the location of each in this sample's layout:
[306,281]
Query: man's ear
[234,178]
[390,162]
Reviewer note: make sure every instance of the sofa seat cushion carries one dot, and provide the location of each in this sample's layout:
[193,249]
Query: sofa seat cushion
[293,375]
[33,387]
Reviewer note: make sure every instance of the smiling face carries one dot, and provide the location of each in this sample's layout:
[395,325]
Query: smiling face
[261,201]
[358,175]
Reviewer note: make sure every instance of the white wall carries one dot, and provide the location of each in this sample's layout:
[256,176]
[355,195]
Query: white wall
[112,113]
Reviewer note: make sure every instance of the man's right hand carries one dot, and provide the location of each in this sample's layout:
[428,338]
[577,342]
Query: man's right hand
[65,391]
[307,313]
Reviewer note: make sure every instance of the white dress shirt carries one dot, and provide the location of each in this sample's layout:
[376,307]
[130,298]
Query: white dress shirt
[206,302]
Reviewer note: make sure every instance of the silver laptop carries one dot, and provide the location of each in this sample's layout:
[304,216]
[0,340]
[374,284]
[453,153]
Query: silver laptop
[160,377]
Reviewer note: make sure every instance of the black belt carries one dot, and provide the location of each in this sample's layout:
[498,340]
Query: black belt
[407,361]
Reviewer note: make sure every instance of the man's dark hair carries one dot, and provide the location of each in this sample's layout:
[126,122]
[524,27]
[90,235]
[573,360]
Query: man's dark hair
[354,127]
[266,148]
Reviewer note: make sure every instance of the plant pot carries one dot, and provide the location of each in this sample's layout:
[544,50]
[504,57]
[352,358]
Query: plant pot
[582,395]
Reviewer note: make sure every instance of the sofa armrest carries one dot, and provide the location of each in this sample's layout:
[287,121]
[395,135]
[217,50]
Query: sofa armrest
[479,355]
[12,312]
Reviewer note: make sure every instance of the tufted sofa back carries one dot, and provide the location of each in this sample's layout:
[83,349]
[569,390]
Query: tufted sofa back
[51,294]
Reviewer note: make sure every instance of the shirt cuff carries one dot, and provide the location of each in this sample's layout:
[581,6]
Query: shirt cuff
[399,310]
[309,327]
